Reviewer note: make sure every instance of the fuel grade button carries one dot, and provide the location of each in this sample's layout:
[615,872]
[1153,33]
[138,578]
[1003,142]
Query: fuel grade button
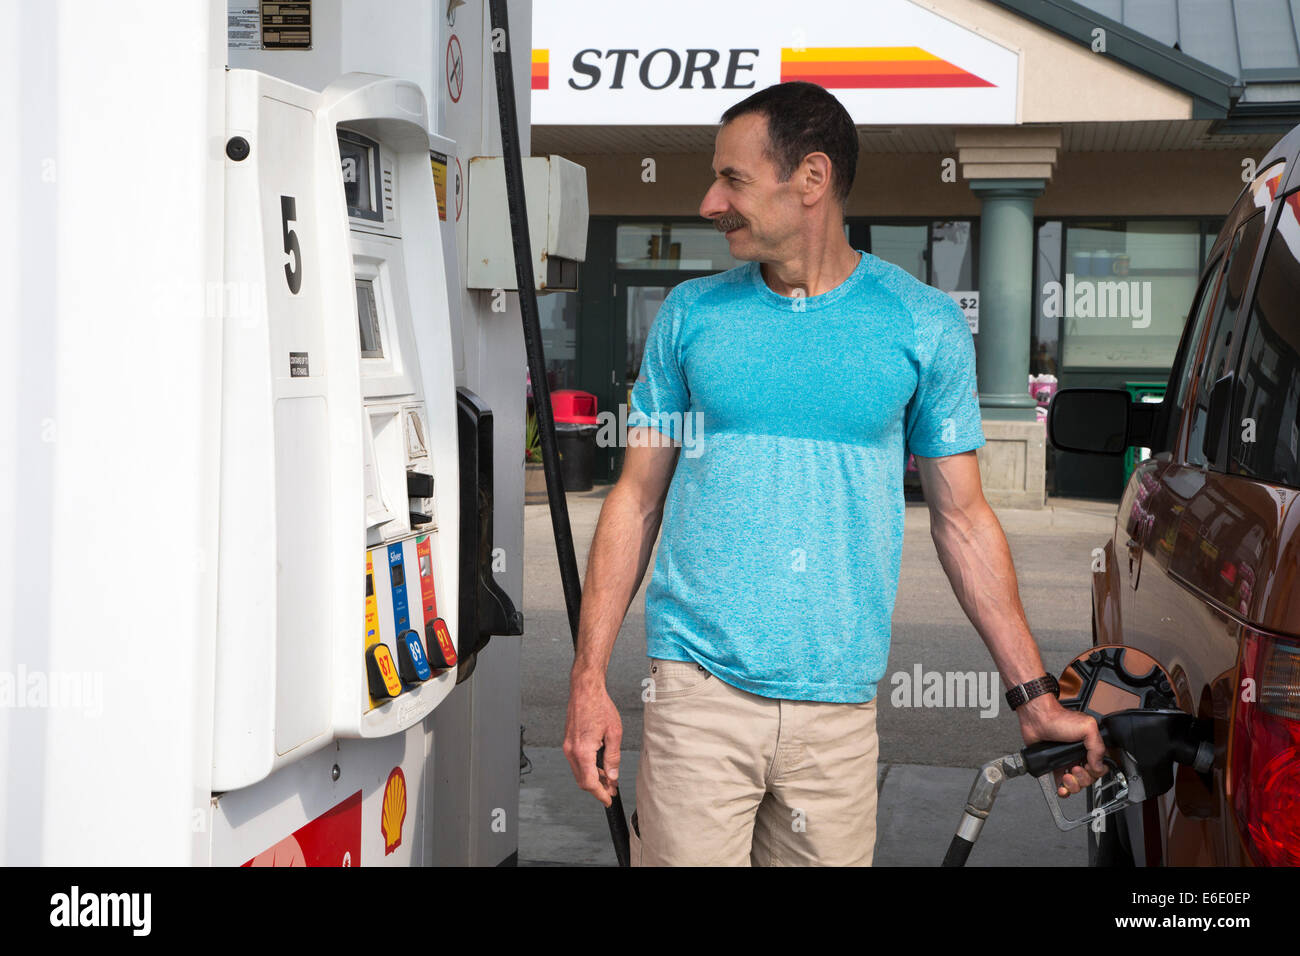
[441,650]
[412,664]
[381,673]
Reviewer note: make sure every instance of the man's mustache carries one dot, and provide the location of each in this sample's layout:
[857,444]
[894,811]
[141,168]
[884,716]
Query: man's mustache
[728,222]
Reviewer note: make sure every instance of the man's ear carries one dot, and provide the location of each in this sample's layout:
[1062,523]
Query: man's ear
[815,177]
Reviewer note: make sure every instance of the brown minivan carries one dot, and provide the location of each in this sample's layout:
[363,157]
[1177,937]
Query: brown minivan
[1203,569]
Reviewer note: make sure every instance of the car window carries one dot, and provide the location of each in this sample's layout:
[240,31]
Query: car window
[1266,443]
[1218,350]
[1185,362]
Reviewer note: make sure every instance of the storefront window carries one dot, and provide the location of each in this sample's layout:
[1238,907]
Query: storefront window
[952,254]
[1047,329]
[904,246]
[643,302]
[673,245]
[558,314]
[1126,290]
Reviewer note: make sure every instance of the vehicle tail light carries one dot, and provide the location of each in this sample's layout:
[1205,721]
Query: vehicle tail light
[1264,759]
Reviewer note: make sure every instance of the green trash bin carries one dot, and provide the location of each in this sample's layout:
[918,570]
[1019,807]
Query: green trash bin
[1140,392]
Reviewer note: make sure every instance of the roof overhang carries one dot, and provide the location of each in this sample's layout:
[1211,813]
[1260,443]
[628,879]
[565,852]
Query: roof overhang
[1213,92]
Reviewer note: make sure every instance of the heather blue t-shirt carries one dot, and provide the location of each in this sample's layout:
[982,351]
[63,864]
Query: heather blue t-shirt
[782,532]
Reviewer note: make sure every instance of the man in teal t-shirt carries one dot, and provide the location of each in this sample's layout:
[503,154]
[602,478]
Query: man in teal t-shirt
[770,424]
[785,515]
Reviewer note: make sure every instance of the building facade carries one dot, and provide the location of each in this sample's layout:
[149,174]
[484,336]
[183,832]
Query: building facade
[1059,168]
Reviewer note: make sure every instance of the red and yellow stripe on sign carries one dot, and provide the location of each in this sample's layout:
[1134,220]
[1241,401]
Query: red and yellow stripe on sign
[541,69]
[868,67]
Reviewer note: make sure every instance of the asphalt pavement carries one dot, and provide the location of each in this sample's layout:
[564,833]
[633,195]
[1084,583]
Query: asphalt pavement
[928,754]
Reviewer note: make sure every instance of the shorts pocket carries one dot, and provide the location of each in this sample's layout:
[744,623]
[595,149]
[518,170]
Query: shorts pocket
[673,679]
[634,842]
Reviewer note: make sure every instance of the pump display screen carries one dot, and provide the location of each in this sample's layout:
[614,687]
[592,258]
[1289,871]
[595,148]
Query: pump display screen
[372,345]
[399,576]
[360,161]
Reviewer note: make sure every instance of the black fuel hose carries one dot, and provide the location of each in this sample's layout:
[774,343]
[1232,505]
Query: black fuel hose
[505,85]
[958,850]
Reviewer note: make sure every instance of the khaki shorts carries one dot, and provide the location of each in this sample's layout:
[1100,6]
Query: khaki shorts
[729,778]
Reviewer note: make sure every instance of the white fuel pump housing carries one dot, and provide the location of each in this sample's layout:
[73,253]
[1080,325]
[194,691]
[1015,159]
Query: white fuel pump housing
[338,597]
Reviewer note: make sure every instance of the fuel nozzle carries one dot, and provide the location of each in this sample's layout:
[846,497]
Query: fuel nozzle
[1132,699]
[1142,747]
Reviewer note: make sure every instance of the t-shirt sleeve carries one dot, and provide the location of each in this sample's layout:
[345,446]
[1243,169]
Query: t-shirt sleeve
[660,398]
[943,417]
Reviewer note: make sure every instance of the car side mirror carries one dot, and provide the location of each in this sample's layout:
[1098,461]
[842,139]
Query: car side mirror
[1099,421]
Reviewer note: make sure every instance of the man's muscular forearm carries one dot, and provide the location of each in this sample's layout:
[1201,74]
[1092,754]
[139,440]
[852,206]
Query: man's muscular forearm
[620,552]
[974,553]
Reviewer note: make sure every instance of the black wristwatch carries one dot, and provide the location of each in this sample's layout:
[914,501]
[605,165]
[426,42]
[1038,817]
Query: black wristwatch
[1023,693]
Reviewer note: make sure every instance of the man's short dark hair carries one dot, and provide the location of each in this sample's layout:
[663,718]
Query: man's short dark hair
[804,118]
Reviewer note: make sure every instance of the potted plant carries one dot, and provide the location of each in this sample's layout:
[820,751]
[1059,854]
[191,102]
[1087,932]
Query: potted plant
[534,476]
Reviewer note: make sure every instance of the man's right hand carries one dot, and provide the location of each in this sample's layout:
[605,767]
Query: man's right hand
[593,722]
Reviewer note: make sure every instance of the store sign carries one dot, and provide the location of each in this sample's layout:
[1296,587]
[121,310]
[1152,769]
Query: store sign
[680,62]
[969,302]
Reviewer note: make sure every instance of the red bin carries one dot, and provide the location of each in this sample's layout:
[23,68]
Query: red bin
[574,407]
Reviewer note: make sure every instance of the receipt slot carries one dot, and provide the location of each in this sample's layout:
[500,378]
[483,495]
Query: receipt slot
[340,494]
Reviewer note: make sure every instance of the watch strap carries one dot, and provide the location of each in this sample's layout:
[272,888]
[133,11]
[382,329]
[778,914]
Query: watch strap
[1023,693]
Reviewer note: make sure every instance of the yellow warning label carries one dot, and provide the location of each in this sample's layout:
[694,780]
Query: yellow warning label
[372,613]
[439,162]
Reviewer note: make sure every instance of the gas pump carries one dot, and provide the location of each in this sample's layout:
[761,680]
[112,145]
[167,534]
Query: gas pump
[415,362]
[409,442]
[329,457]
[339,426]
[340,481]
[391,476]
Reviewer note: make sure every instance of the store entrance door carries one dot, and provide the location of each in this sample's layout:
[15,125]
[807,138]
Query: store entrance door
[637,298]
[632,264]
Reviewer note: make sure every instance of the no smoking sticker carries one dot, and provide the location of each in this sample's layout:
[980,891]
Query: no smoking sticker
[455,69]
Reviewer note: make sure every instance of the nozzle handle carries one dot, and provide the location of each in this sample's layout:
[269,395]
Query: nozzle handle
[1048,755]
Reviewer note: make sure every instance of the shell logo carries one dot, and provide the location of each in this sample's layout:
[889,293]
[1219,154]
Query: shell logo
[393,813]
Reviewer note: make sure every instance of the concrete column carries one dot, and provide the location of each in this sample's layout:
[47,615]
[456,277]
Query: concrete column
[1006,295]
[1008,168]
